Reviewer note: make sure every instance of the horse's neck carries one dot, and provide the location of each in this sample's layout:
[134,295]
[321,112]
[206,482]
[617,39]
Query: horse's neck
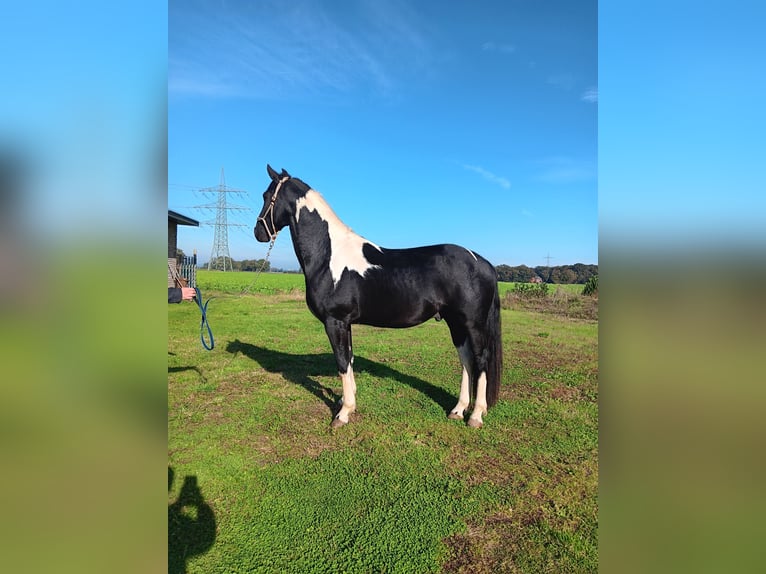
[313,201]
[311,238]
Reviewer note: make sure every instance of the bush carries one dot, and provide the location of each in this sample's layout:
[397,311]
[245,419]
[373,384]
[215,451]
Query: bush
[541,298]
[528,290]
[591,286]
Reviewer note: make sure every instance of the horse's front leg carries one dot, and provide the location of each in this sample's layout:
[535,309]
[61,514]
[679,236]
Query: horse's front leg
[339,334]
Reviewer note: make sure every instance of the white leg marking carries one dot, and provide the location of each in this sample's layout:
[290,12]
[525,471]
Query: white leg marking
[349,395]
[480,407]
[464,399]
[464,352]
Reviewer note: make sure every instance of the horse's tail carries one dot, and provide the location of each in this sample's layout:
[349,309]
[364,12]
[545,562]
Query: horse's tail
[495,350]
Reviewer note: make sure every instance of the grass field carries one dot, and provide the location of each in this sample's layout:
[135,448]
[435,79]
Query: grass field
[258,482]
[235,282]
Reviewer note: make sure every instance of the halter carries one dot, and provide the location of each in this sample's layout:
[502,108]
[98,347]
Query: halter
[270,211]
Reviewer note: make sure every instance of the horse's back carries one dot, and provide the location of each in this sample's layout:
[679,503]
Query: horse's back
[444,257]
[409,286]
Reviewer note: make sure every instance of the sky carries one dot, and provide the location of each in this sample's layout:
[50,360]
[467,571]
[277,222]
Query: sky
[427,122]
[83,116]
[681,126]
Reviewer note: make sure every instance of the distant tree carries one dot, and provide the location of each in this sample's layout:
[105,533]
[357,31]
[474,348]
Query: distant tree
[523,274]
[504,272]
[545,273]
[577,273]
[254,265]
[563,275]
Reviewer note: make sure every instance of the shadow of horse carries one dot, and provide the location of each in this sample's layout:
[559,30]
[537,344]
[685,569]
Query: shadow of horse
[299,369]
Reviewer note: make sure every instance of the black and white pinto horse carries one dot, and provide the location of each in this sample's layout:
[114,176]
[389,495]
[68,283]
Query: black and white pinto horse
[351,280]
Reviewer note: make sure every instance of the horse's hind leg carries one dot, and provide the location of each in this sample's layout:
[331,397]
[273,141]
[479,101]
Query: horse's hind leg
[480,406]
[466,359]
[468,341]
[480,361]
[339,334]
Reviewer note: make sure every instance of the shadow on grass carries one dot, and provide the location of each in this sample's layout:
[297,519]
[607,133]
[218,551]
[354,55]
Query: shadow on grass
[300,369]
[191,524]
[195,369]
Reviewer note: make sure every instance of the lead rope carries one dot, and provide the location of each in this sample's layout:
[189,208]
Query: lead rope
[202,308]
[273,234]
[261,268]
[204,323]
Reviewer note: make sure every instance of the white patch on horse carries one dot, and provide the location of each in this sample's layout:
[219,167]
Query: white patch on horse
[465,397]
[348,403]
[471,252]
[345,245]
[466,359]
[480,406]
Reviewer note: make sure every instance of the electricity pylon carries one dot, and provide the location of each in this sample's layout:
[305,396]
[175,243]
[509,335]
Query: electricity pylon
[219,255]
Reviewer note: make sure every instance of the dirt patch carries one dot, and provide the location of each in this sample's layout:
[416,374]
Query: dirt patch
[462,554]
[564,393]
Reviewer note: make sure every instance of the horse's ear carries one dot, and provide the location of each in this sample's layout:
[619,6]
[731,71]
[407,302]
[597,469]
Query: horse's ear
[284,173]
[272,174]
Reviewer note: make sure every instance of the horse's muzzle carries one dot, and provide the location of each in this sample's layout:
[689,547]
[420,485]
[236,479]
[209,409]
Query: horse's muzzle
[260,233]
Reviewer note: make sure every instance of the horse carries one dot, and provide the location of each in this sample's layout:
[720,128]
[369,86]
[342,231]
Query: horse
[350,280]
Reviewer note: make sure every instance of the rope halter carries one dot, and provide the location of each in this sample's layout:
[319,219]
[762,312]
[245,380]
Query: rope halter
[270,211]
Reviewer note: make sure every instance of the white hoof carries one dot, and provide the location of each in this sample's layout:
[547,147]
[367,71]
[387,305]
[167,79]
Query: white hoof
[337,423]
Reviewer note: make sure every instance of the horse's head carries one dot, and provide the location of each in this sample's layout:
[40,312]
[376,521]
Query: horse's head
[277,205]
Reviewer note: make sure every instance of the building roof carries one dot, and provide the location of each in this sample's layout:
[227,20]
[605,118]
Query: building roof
[182,219]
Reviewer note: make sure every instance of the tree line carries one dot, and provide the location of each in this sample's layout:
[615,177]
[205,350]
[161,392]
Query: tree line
[246,265]
[577,273]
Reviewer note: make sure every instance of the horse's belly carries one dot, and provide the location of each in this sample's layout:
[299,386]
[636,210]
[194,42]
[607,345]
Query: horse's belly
[396,314]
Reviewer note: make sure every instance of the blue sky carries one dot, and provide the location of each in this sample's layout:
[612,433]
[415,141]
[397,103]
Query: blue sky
[681,125]
[419,122]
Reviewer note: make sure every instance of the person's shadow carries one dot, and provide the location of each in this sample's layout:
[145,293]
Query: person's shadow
[191,524]
[300,369]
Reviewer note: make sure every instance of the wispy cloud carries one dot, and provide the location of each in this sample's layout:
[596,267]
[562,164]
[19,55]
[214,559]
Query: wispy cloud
[262,52]
[498,47]
[590,95]
[563,81]
[188,79]
[489,176]
[563,170]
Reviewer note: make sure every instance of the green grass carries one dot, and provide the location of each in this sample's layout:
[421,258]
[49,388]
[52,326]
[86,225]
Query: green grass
[234,282]
[399,489]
